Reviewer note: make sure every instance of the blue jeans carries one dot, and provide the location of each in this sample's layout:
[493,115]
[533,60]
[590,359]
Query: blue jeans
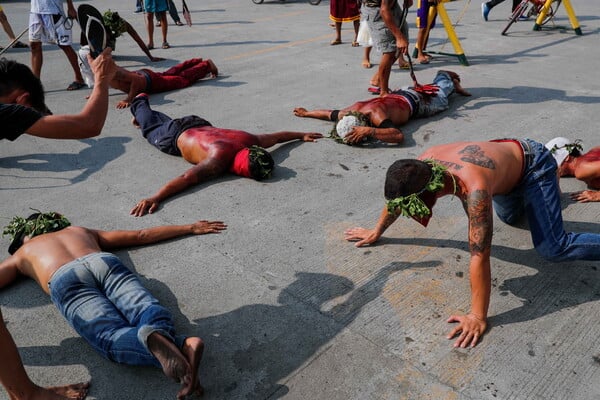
[538,197]
[431,105]
[159,129]
[108,306]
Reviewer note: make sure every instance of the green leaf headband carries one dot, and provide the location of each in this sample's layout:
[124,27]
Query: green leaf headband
[412,205]
[256,155]
[114,22]
[33,226]
[569,147]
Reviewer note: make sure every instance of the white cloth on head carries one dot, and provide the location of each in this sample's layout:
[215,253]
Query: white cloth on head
[560,152]
[346,124]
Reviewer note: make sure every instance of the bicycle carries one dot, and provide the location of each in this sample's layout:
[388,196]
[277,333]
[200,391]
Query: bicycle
[528,8]
[313,2]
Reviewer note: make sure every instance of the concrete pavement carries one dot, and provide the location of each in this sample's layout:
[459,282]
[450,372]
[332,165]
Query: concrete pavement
[287,308]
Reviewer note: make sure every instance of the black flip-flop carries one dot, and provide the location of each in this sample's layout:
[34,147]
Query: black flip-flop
[92,26]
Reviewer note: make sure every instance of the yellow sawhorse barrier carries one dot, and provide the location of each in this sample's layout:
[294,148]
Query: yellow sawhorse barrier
[570,13]
[441,11]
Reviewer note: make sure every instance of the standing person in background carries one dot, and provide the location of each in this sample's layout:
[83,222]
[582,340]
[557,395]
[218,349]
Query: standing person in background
[423,8]
[158,7]
[173,13]
[344,11]
[49,24]
[390,36]
[487,6]
[9,31]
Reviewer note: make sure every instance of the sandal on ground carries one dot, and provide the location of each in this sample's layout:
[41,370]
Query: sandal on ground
[374,90]
[150,47]
[76,85]
[20,45]
[335,41]
[404,65]
[355,43]
[166,45]
[179,23]
[366,64]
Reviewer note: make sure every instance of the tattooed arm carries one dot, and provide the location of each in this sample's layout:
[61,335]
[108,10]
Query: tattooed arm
[478,205]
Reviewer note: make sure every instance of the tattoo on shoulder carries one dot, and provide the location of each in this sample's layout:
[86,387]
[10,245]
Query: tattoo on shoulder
[474,155]
[479,210]
[450,164]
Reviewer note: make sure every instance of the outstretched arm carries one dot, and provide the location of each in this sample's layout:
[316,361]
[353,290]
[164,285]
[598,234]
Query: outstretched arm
[137,86]
[133,33]
[117,239]
[9,271]
[364,236]
[202,172]
[90,120]
[473,325]
[318,114]
[271,139]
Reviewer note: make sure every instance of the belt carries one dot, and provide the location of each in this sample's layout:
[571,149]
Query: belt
[528,154]
[371,4]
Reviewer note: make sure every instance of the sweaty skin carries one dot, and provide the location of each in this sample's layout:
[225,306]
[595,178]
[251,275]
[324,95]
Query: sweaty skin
[480,170]
[378,109]
[586,168]
[40,257]
[212,150]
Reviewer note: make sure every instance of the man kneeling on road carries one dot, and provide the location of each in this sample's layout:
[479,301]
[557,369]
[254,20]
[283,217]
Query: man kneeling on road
[517,177]
[102,299]
[214,151]
[384,114]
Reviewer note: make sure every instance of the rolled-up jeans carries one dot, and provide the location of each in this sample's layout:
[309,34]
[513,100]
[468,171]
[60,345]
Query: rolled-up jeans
[538,197]
[108,306]
[431,105]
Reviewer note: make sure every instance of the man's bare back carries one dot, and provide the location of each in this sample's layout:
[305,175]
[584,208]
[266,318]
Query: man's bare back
[196,144]
[477,164]
[40,257]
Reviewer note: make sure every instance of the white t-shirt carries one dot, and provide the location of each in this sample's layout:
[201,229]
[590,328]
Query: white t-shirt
[47,7]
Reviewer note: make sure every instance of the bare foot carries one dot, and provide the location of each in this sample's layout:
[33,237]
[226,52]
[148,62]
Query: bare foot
[75,391]
[456,80]
[172,360]
[192,350]
[213,68]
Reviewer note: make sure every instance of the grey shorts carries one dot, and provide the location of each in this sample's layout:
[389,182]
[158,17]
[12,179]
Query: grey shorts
[383,39]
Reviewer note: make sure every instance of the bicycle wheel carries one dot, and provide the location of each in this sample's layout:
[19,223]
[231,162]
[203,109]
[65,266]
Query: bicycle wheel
[552,11]
[257,1]
[520,10]
[314,2]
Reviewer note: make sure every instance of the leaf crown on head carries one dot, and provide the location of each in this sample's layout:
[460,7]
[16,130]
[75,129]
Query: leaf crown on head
[35,225]
[569,147]
[113,21]
[257,157]
[412,205]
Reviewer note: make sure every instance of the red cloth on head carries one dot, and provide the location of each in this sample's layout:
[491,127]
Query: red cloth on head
[241,163]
